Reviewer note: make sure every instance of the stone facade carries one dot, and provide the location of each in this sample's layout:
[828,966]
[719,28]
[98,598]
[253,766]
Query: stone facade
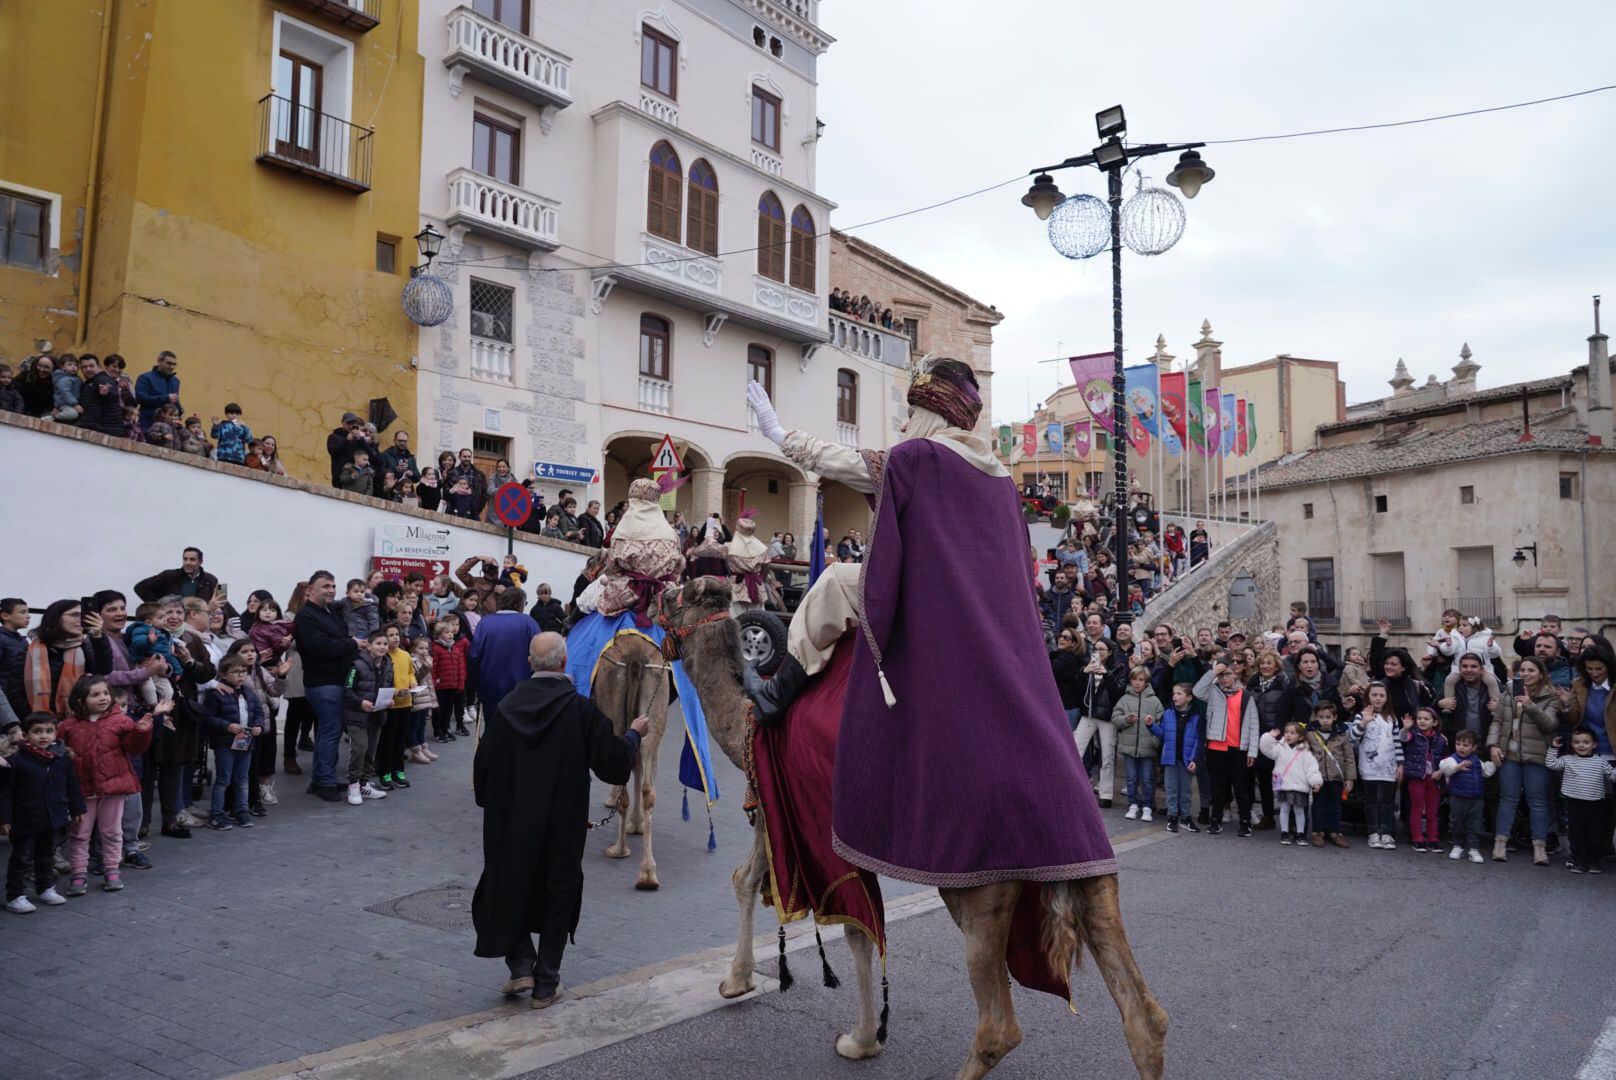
[1204,599]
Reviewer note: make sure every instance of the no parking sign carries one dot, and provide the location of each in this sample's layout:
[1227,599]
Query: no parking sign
[513,504]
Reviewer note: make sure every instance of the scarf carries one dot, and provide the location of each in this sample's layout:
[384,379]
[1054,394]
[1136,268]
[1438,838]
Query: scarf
[37,675]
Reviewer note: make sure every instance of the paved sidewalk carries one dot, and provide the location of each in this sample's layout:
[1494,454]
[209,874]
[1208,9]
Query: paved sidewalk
[306,933]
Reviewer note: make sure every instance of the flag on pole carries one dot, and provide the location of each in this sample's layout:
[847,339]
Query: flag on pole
[1226,424]
[1210,410]
[1251,425]
[1241,446]
[1082,439]
[1053,434]
[1172,404]
[1170,441]
[1029,440]
[1140,395]
[816,554]
[1138,437]
[1092,374]
[1193,416]
[1007,440]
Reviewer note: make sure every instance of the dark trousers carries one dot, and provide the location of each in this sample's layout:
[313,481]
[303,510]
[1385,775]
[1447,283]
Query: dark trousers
[450,711]
[1228,768]
[1260,777]
[1327,807]
[1380,807]
[544,966]
[172,784]
[299,724]
[1586,820]
[34,851]
[1465,817]
[390,752]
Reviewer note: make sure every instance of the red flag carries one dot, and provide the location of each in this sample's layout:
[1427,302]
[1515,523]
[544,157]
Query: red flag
[1172,402]
[1029,440]
[1138,437]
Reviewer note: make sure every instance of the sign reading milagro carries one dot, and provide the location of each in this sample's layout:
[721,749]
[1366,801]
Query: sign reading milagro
[402,548]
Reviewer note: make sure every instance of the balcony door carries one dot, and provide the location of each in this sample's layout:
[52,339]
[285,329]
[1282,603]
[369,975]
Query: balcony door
[1476,595]
[510,13]
[1391,596]
[298,86]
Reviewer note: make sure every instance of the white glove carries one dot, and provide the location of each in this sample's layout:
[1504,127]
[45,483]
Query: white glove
[768,422]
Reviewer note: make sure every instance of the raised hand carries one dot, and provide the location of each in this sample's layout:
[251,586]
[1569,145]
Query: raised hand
[763,408]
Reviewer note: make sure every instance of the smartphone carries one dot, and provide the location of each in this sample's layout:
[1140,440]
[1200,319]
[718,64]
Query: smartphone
[1517,687]
[222,591]
[87,606]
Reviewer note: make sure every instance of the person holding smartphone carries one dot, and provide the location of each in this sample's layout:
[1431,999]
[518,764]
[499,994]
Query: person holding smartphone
[1523,727]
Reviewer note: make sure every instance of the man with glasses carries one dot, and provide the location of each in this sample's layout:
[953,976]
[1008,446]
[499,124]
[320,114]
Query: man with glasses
[158,387]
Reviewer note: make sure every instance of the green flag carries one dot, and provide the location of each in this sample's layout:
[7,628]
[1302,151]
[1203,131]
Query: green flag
[1197,438]
[1007,440]
[1251,426]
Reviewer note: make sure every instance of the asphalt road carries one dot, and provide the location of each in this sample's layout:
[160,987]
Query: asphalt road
[1274,962]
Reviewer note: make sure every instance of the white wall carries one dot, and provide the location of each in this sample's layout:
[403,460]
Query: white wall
[87,517]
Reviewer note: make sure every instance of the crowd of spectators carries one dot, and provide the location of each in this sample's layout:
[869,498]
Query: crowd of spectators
[864,309]
[1083,579]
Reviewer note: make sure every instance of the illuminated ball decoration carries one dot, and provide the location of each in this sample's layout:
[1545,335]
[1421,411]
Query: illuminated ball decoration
[1080,227]
[1152,221]
[428,300]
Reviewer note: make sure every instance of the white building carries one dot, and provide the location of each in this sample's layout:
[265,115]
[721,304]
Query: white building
[591,165]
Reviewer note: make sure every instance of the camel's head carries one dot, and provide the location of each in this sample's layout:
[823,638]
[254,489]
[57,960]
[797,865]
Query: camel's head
[694,602]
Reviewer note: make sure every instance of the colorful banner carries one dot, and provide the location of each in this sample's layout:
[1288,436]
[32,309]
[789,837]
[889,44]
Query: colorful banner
[1093,375]
[1170,442]
[1196,438]
[1241,446]
[1082,439]
[1140,393]
[1007,440]
[1138,437]
[1172,404]
[1226,424]
[1029,440]
[1210,410]
[1053,435]
[1251,426]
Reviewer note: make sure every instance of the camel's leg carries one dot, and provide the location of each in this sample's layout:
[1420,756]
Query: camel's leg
[748,881]
[645,777]
[984,915]
[861,1042]
[619,850]
[1144,1021]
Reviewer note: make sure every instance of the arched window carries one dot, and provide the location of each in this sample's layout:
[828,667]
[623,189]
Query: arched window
[665,195]
[701,230]
[760,367]
[655,358]
[771,237]
[802,249]
[847,397]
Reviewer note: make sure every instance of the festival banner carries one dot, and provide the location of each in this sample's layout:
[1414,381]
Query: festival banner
[1226,424]
[1093,375]
[1172,404]
[1053,435]
[1082,439]
[1138,437]
[1170,442]
[1251,426]
[1140,393]
[1029,440]
[1196,436]
[1007,440]
[1241,446]
[1209,419]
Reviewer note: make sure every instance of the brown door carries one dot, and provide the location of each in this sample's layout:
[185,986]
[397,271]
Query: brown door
[298,87]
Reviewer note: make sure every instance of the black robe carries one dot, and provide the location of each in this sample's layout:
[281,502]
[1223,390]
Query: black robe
[531,777]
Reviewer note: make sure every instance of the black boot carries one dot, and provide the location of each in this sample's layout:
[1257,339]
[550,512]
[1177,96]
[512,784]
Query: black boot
[774,697]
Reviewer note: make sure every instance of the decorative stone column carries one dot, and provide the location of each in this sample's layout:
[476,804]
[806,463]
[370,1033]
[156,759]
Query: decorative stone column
[706,493]
[802,502]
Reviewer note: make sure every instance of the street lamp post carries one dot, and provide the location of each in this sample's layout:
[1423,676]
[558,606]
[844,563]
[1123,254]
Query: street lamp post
[1112,157]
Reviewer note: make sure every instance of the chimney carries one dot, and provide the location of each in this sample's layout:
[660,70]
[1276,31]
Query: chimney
[1599,403]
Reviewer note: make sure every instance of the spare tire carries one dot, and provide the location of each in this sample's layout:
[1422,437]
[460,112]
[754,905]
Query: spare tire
[763,640]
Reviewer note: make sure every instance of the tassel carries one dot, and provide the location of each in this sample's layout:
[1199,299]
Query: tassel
[886,1013]
[830,978]
[712,837]
[786,979]
[684,805]
[886,688]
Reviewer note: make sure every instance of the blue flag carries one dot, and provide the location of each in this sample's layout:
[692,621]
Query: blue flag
[1140,393]
[816,554]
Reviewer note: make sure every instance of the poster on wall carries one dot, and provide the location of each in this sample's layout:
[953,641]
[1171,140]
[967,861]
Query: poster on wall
[400,548]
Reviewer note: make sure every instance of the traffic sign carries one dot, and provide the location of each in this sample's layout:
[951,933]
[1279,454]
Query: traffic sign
[512,504]
[564,474]
[666,458]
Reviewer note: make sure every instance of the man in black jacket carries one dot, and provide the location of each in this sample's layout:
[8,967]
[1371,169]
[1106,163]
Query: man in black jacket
[531,777]
[188,579]
[100,400]
[328,654]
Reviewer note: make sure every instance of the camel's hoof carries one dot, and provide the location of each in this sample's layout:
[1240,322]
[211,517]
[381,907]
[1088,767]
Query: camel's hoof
[615,852]
[647,884]
[729,991]
[853,1050]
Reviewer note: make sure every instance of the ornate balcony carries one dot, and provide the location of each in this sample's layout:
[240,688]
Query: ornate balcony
[847,434]
[483,204]
[681,264]
[360,15]
[501,57]
[767,162]
[313,143]
[869,341]
[656,395]
[493,360]
[660,108]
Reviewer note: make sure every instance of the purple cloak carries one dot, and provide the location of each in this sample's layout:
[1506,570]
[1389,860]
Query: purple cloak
[973,776]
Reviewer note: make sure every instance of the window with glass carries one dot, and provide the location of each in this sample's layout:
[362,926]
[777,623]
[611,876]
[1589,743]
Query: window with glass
[766,119]
[771,237]
[659,61]
[760,366]
[496,148]
[664,194]
[654,338]
[386,254]
[847,397]
[492,307]
[802,249]
[911,330]
[701,231]
[24,231]
[299,85]
[1321,588]
[510,13]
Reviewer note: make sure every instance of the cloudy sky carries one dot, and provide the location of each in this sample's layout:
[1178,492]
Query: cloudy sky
[1359,248]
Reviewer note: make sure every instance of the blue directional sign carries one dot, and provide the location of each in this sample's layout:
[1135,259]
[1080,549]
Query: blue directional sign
[563,474]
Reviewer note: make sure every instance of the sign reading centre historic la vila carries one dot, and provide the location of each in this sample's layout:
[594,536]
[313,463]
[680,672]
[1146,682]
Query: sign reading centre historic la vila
[402,548]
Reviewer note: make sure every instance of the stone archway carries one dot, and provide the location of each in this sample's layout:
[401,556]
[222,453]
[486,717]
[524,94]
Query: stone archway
[627,457]
[779,493]
[845,510]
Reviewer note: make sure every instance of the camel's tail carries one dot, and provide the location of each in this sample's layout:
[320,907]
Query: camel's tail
[1064,934]
[633,678]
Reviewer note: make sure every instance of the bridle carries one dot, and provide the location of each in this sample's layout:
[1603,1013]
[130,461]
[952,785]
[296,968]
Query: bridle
[673,641]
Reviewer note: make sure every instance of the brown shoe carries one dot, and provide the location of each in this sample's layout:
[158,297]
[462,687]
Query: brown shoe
[1339,841]
[290,767]
[1316,839]
[516,987]
[546,1002]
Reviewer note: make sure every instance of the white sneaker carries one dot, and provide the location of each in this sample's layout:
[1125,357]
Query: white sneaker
[1475,856]
[185,820]
[1133,812]
[1147,815]
[266,790]
[1374,841]
[371,791]
[1457,853]
[1301,840]
[354,795]
[1388,843]
[51,898]
[20,906]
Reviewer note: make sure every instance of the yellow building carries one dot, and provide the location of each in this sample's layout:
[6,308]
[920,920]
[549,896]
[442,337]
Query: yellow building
[253,169]
[1058,468]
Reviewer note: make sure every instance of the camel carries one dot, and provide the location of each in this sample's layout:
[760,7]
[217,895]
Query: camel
[630,679]
[1082,913]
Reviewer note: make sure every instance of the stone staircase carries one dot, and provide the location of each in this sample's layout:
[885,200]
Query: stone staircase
[1202,598]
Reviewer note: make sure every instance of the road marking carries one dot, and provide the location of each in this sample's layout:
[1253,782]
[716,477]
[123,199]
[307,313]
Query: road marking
[513,1039]
[1600,1064]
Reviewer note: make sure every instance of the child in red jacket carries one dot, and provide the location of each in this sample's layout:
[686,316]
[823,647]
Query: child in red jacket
[449,658]
[101,737]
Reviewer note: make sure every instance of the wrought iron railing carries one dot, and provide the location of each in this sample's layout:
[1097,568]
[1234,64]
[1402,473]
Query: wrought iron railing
[303,139]
[1370,612]
[359,15]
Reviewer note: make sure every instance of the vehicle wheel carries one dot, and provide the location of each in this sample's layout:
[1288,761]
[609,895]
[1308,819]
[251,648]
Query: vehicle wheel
[763,640]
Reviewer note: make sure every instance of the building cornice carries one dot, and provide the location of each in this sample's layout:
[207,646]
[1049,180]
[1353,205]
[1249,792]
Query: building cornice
[783,15]
[977,310]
